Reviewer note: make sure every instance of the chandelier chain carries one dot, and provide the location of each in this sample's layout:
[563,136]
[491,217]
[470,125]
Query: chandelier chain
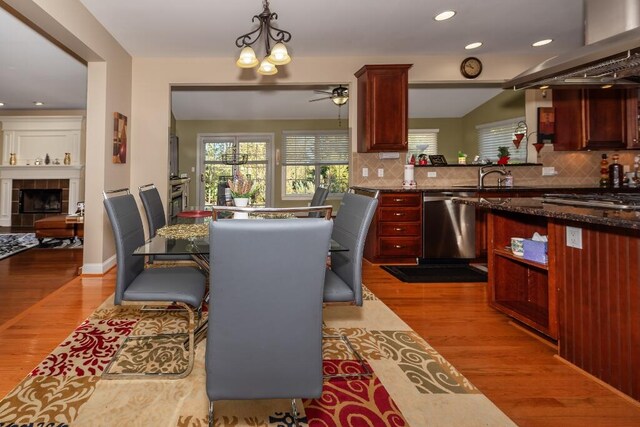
[270,32]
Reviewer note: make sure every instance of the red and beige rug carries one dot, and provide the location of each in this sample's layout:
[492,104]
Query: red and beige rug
[412,384]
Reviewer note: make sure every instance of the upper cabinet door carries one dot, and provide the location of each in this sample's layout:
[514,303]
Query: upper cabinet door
[383,104]
[596,119]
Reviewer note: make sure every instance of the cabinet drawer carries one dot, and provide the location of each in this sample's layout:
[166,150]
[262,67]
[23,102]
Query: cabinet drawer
[399,246]
[400,199]
[399,229]
[399,214]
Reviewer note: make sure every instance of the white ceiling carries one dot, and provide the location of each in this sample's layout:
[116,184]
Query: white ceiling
[32,68]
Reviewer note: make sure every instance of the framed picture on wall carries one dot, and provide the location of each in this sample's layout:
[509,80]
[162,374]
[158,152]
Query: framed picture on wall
[437,160]
[119,138]
[546,125]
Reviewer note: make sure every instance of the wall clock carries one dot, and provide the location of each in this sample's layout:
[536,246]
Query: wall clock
[471,67]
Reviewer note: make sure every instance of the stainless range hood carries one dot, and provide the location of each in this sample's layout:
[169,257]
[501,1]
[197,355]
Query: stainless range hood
[611,60]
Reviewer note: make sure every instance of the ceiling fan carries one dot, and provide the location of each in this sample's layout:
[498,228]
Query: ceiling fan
[338,96]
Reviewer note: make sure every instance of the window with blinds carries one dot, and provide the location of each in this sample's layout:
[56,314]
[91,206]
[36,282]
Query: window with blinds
[423,141]
[500,134]
[313,158]
[316,148]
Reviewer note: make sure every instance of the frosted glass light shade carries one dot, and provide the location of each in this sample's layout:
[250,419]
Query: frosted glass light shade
[279,55]
[267,68]
[247,58]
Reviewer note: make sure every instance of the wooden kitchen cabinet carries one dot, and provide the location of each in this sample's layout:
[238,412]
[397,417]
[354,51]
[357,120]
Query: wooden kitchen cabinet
[383,105]
[596,119]
[522,289]
[395,234]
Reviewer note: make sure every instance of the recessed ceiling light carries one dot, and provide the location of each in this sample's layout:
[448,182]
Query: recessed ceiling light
[1,104]
[38,103]
[607,86]
[541,42]
[443,16]
[473,45]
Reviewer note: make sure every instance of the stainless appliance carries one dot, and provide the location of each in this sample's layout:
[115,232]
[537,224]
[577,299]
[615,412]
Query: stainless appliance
[613,59]
[449,229]
[626,201]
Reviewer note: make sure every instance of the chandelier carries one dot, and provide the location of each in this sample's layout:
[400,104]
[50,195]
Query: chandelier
[276,55]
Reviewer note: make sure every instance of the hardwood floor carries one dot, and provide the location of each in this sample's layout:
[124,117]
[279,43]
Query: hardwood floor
[517,371]
[514,369]
[41,301]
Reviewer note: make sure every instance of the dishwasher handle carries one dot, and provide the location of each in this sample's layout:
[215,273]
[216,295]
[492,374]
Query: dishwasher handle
[427,199]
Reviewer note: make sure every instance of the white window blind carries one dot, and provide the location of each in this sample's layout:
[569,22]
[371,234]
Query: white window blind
[315,147]
[500,134]
[423,141]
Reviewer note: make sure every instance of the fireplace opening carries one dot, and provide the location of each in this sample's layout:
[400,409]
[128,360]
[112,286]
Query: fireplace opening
[40,201]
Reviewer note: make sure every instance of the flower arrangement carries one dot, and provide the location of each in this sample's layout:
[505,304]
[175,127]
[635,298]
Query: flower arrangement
[503,155]
[241,187]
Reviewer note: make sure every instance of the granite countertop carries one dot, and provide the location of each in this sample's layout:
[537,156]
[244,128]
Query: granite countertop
[535,206]
[491,189]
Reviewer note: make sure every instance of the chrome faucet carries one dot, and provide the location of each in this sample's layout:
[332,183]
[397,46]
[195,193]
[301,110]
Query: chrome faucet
[482,173]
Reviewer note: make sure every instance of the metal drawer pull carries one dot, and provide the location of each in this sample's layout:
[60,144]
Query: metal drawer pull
[398,214]
[398,229]
[398,200]
[398,246]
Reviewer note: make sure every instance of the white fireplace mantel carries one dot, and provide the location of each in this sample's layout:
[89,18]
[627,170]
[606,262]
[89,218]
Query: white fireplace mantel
[34,137]
[8,173]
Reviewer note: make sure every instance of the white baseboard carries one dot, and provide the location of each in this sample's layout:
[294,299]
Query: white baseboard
[99,268]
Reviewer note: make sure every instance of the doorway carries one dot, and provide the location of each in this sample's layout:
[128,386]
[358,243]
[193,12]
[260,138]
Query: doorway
[212,169]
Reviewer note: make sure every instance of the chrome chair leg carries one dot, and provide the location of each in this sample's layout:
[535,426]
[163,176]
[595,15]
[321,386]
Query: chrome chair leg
[294,412]
[367,372]
[210,414]
[189,347]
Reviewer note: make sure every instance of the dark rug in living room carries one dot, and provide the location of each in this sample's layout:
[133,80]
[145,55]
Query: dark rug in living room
[436,273]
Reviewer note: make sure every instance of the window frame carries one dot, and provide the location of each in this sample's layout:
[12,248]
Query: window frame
[507,123]
[316,165]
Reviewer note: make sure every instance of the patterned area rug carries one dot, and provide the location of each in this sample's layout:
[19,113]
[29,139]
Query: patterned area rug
[11,244]
[412,384]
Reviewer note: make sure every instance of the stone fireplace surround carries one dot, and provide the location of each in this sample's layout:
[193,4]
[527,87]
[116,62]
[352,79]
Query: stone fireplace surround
[28,219]
[12,178]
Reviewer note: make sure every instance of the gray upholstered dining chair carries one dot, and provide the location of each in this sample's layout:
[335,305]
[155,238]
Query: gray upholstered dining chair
[264,339]
[183,286]
[343,281]
[318,199]
[156,218]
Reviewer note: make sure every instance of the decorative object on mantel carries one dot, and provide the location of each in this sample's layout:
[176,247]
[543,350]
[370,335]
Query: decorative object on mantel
[67,158]
[47,159]
[119,138]
[12,159]
[37,161]
[277,55]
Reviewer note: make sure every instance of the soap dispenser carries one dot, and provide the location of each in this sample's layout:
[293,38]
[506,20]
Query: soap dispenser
[508,179]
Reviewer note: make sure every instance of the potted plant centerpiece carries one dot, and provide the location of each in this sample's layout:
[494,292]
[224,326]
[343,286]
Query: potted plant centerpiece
[503,155]
[241,190]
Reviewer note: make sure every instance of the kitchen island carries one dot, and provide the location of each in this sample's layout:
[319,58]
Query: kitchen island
[405,229]
[586,296]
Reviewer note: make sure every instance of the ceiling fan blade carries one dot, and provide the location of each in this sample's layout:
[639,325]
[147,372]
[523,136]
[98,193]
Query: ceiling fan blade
[323,91]
[320,99]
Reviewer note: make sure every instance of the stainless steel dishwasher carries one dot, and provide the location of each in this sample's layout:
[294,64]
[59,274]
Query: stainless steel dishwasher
[448,229]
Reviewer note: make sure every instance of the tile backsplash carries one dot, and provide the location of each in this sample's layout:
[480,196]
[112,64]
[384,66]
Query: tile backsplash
[571,167]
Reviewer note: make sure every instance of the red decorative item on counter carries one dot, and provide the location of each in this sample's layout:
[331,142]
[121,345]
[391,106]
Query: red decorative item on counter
[503,160]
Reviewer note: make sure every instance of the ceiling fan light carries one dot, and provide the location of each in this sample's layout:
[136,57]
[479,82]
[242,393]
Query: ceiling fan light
[340,100]
[267,68]
[247,58]
[279,55]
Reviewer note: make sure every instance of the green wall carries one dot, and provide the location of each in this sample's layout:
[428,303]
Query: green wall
[507,105]
[188,130]
[450,135]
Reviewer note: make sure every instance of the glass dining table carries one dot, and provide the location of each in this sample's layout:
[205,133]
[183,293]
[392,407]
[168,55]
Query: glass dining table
[193,240]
